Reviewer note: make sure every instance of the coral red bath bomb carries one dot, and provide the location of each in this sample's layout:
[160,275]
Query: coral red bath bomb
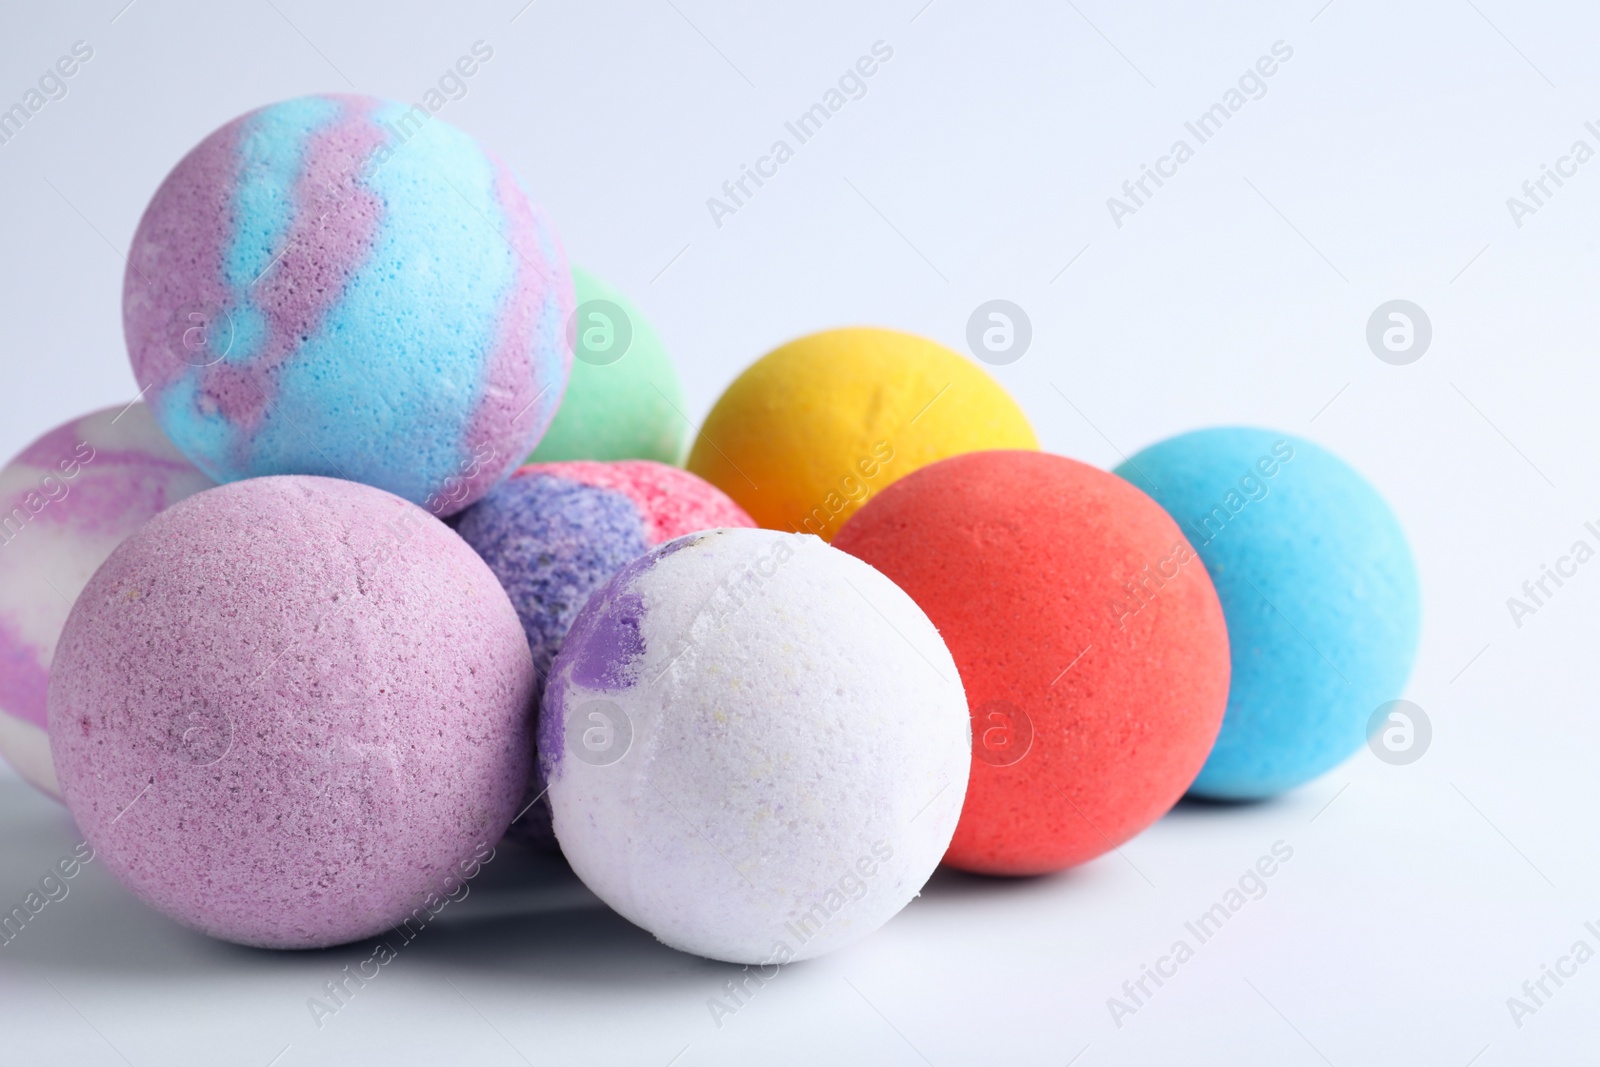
[292,712]
[1088,635]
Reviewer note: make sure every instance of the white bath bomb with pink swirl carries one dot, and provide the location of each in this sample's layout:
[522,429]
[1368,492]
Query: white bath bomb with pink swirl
[69,499]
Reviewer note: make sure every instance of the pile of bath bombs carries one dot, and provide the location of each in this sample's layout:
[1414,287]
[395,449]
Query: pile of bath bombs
[395,558]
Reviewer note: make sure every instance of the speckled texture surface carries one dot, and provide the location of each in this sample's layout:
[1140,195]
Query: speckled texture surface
[1092,646]
[780,751]
[65,502]
[553,533]
[1317,581]
[342,286]
[629,408]
[287,709]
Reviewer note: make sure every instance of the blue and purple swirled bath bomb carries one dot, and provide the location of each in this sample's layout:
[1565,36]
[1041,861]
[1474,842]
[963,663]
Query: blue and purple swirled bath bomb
[344,286]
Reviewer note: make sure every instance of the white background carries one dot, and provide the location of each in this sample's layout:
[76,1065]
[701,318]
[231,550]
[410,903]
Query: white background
[1377,166]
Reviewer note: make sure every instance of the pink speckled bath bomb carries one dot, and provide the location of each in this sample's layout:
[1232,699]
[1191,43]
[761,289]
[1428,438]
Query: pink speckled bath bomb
[292,712]
[670,501]
[65,502]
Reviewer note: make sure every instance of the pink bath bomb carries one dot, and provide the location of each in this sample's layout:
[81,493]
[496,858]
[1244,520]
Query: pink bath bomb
[292,712]
[65,502]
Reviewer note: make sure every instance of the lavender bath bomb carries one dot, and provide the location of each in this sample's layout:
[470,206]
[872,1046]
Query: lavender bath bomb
[757,746]
[292,711]
[65,502]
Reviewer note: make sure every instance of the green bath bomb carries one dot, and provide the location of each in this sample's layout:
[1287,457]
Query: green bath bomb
[623,399]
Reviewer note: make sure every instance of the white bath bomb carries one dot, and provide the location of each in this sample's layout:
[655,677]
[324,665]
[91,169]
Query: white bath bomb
[757,746]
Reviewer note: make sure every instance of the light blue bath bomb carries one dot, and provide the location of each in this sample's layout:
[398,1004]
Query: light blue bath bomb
[1317,584]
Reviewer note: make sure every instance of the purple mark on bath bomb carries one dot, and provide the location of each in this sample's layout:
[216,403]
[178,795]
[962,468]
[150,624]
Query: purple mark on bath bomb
[610,644]
[48,451]
[603,648]
[601,651]
[288,710]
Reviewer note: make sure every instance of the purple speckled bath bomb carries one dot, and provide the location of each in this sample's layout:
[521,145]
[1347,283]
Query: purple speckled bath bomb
[65,502]
[292,712]
[555,532]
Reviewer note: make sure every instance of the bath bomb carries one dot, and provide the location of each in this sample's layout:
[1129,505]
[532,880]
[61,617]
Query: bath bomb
[623,400]
[756,746]
[292,712]
[813,429]
[344,286]
[1090,640]
[1319,588]
[553,533]
[65,502]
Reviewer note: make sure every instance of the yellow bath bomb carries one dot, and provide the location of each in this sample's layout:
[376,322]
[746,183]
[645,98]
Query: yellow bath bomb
[812,429]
